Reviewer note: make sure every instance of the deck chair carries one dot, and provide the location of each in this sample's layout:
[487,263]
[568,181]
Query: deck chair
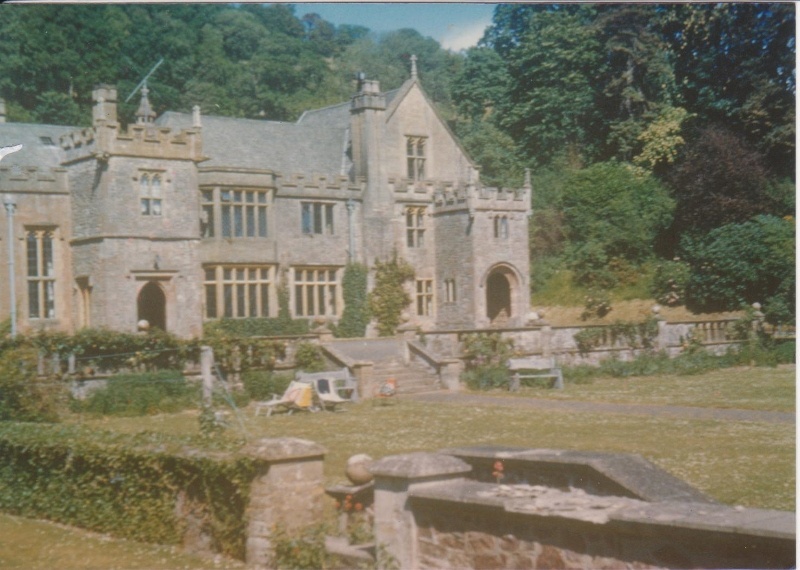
[327,396]
[298,396]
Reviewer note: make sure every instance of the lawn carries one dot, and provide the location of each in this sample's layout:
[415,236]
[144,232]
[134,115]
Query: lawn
[41,545]
[771,389]
[738,463]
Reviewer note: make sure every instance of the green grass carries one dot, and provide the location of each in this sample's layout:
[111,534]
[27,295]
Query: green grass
[771,389]
[738,463]
[745,463]
[40,545]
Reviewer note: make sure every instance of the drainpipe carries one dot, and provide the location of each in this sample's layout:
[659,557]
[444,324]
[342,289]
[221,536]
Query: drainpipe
[11,204]
[351,208]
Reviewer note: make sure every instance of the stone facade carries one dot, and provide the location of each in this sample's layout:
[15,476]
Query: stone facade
[184,218]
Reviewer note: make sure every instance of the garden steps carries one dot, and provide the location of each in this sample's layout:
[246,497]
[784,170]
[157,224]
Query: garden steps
[386,354]
[411,378]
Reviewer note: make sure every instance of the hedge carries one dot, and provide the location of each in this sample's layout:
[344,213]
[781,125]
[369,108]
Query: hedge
[128,486]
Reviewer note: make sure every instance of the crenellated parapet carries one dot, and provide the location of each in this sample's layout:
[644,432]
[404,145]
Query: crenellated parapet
[319,185]
[33,180]
[107,139]
[477,198]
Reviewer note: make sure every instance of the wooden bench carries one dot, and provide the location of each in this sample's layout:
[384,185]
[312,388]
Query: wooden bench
[546,364]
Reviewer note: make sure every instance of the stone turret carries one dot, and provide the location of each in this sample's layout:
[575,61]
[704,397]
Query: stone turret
[145,114]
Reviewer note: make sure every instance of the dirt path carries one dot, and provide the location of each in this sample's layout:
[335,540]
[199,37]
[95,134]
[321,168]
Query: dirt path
[686,412]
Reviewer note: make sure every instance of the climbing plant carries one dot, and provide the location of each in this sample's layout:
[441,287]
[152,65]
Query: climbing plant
[355,316]
[388,299]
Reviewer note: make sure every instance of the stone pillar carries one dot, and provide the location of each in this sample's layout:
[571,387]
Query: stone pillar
[365,379]
[547,341]
[287,491]
[450,374]
[395,477]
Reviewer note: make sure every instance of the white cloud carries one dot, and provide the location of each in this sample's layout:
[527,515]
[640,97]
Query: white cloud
[462,36]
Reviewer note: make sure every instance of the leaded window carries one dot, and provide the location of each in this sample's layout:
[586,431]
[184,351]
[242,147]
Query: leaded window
[238,291]
[41,274]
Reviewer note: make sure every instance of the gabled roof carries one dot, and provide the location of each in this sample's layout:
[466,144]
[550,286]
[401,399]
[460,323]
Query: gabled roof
[39,144]
[315,147]
[400,94]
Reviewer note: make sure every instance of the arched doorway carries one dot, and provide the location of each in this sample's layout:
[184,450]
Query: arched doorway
[152,305]
[498,297]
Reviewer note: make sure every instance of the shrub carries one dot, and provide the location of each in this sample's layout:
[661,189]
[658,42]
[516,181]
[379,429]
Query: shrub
[128,486]
[22,396]
[141,394]
[260,385]
[597,305]
[308,357]
[486,359]
[300,550]
[669,282]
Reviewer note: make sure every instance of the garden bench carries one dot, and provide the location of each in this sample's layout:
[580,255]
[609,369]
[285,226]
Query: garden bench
[545,366]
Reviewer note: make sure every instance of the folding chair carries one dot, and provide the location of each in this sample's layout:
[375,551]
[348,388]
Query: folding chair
[298,396]
[326,394]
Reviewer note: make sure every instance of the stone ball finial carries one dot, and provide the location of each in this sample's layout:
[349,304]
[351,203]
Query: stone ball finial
[756,306]
[357,469]
[143,325]
[656,309]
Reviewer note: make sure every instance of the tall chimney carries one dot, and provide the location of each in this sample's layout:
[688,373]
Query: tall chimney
[105,104]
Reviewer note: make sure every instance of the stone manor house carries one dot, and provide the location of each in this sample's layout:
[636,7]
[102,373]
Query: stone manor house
[183,218]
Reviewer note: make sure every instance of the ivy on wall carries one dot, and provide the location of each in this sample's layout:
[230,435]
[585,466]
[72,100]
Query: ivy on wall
[138,487]
[355,316]
[389,298]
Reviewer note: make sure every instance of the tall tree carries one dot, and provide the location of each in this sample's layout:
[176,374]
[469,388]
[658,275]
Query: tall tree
[718,181]
[551,107]
[735,63]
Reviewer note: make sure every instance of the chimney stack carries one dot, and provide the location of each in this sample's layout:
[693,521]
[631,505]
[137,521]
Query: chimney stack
[105,104]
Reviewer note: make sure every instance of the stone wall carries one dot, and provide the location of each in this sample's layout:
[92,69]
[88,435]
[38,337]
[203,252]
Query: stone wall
[714,335]
[438,511]
[287,492]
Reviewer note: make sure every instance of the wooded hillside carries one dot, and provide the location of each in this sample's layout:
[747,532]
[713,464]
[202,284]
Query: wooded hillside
[661,137]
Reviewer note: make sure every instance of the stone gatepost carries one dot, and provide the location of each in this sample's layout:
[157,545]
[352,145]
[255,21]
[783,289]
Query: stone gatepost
[450,374]
[287,491]
[395,477]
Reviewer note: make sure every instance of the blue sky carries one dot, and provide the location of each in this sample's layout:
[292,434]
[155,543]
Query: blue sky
[454,25]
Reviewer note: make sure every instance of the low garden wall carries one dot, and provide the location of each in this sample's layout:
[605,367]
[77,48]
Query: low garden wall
[152,489]
[550,509]
[591,344]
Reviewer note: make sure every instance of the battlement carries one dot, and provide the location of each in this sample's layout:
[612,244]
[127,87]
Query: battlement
[476,198]
[33,180]
[318,184]
[106,139]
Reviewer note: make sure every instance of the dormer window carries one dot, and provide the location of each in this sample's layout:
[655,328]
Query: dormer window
[150,194]
[415,157]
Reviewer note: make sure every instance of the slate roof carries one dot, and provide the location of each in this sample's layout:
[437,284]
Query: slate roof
[36,148]
[316,147]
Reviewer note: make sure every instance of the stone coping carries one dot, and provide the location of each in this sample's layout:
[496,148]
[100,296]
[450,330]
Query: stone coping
[419,465]
[540,501]
[281,449]
[639,478]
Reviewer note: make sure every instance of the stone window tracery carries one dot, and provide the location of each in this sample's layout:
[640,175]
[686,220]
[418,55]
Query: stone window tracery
[243,213]
[415,226]
[40,244]
[316,218]
[424,297]
[416,157]
[316,292]
[501,227]
[150,194]
[238,291]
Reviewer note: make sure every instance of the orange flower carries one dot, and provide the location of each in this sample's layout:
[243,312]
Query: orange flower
[359,506]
